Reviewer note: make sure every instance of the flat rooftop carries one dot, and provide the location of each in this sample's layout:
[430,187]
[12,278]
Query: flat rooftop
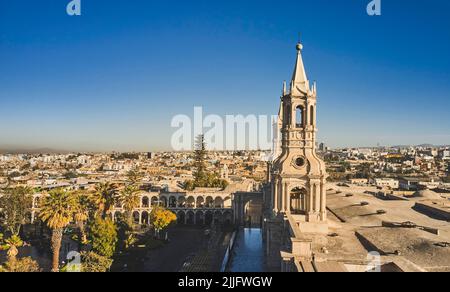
[356,227]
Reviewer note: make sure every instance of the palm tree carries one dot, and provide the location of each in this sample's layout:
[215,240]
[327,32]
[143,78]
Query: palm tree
[12,246]
[81,214]
[134,176]
[104,198]
[129,198]
[57,212]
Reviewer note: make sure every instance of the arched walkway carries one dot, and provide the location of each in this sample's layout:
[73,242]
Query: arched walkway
[200,218]
[136,218]
[190,218]
[181,218]
[190,203]
[155,201]
[209,202]
[181,202]
[248,209]
[145,202]
[145,218]
[218,203]
[209,218]
[172,202]
[200,202]
[298,201]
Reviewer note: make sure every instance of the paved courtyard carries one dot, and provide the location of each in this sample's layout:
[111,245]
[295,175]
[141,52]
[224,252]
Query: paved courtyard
[184,243]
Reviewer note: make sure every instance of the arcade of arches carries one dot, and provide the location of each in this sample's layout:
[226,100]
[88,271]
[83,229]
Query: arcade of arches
[190,208]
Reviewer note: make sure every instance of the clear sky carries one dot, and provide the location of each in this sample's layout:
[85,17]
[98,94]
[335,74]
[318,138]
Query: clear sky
[113,78]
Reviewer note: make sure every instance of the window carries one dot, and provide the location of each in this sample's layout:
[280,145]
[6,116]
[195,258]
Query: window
[299,117]
[287,115]
[311,114]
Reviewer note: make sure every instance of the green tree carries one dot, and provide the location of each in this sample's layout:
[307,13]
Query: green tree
[104,198]
[125,234]
[103,237]
[189,185]
[81,214]
[94,263]
[134,177]
[24,265]
[203,179]
[12,245]
[16,203]
[57,212]
[161,218]
[199,161]
[129,198]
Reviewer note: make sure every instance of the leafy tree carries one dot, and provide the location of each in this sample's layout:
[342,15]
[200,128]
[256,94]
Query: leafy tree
[189,185]
[57,212]
[24,265]
[161,218]
[129,198]
[16,203]
[12,245]
[94,263]
[125,234]
[104,237]
[81,214]
[104,198]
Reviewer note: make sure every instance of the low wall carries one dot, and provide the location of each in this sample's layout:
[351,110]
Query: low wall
[432,211]
[227,257]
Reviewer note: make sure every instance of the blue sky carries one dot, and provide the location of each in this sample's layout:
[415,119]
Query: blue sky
[113,78]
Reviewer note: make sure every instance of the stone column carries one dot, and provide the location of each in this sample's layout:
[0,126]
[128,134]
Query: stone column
[286,206]
[275,195]
[323,203]
[317,197]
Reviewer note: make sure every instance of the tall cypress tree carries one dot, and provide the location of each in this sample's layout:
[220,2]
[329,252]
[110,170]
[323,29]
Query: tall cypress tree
[200,176]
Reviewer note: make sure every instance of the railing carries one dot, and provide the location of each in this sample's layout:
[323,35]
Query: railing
[293,227]
[226,259]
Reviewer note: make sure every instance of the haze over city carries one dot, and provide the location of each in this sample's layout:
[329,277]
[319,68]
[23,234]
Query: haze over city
[113,78]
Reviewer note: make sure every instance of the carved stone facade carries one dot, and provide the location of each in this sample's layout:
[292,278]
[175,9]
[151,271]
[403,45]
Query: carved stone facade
[298,174]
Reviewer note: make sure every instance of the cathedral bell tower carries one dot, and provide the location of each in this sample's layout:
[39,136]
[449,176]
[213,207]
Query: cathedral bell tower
[298,174]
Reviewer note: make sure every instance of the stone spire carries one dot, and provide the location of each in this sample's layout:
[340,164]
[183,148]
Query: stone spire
[299,79]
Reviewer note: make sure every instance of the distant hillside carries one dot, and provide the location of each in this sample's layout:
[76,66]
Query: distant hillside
[11,150]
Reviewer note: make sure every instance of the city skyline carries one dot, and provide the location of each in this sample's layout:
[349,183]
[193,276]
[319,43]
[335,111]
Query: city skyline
[113,78]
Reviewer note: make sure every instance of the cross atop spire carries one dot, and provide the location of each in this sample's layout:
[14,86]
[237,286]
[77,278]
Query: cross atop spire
[299,78]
